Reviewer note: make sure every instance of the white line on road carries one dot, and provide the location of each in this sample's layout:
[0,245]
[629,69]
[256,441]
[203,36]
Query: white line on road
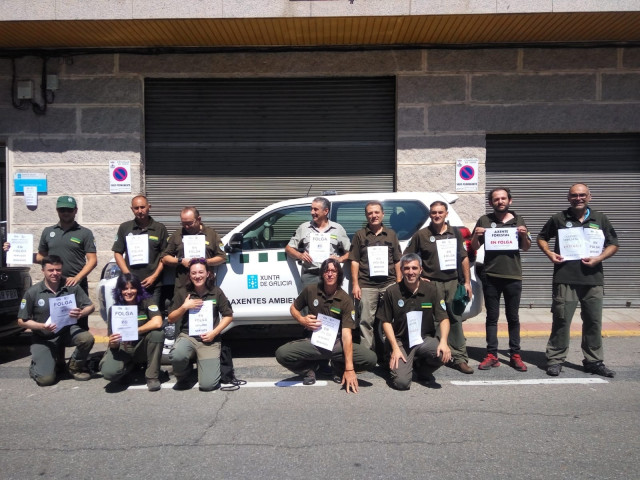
[281,383]
[535,381]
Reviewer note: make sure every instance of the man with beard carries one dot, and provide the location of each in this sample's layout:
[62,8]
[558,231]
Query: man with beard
[503,233]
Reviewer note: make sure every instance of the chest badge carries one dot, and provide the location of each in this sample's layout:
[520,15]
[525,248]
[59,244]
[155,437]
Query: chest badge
[315,302]
[52,234]
[493,224]
[569,224]
[401,303]
[41,302]
[432,239]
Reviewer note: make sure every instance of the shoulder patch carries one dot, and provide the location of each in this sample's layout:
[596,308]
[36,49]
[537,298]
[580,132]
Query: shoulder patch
[23,304]
[353,315]
[443,305]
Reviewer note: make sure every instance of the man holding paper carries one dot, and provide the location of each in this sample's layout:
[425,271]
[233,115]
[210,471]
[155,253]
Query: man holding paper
[409,312]
[194,240]
[142,240]
[330,322]
[51,309]
[503,233]
[375,265]
[73,243]
[317,240]
[584,239]
[441,248]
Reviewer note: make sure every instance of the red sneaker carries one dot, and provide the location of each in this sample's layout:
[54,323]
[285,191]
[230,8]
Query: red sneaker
[517,363]
[489,362]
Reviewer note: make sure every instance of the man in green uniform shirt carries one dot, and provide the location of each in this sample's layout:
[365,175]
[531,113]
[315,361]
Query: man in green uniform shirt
[578,280]
[48,340]
[73,243]
[502,274]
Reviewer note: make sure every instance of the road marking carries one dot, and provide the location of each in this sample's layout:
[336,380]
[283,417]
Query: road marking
[535,381]
[281,383]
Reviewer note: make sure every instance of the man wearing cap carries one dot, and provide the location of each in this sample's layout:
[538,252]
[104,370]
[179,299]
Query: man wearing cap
[578,276]
[73,243]
[375,265]
[143,240]
[203,242]
[317,240]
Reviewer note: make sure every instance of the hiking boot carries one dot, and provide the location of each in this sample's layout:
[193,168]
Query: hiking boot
[517,363]
[309,378]
[598,368]
[153,384]
[489,362]
[554,370]
[76,371]
[463,367]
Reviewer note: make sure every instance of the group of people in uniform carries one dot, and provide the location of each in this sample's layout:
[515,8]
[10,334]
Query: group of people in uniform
[416,296]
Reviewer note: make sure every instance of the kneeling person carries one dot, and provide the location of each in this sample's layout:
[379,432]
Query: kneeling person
[196,312]
[409,311]
[49,339]
[122,356]
[326,298]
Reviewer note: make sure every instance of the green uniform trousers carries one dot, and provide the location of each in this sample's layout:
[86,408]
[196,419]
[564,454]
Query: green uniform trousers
[117,362]
[456,340]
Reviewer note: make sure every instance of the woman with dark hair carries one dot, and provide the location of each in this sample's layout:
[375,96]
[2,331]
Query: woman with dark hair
[196,313]
[329,299]
[121,356]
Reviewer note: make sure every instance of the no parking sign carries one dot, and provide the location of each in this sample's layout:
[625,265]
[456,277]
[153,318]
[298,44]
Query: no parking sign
[120,176]
[467,175]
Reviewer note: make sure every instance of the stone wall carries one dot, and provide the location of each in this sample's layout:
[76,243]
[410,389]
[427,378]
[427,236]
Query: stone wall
[448,100]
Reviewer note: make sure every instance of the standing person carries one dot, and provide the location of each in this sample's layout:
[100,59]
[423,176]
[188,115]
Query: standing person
[47,339]
[441,248]
[413,305]
[121,357]
[188,307]
[375,265]
[326,298]
[142,257]
[578,279]
[317,240]
[502,273]
[210,249]
[74,244]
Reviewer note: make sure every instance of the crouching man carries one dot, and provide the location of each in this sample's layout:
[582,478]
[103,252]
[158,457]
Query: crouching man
[409,311]
[331,320]
[55,327]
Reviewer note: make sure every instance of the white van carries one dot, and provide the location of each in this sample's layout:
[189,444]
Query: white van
[259,279]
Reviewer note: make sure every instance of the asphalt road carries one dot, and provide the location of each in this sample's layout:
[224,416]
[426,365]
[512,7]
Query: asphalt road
[459,430]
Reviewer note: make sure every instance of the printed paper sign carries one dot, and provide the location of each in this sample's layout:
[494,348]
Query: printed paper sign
[414,326]
[30,195]
[201,319]
[447,253]
[501,239]
[124,320]
[138,249]
[573,245]
[378,261]
[319,247]
[467,175]
[59,308]
[326,336]
[595,240]
[194,246]
[21,251]
[119,176]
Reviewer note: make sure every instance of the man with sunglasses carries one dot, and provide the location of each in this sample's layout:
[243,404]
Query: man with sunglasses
[74,244]
[584,239]
[174,255]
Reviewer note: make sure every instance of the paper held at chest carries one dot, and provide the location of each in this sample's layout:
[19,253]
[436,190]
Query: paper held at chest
[325,337]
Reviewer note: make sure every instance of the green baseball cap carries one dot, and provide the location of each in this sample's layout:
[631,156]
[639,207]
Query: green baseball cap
[66,202]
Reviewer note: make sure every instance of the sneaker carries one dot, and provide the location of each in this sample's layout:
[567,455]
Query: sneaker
[489,362]
[153,384]
[81,376]
[517,363]
[309,377]
[554,370]
[598,368]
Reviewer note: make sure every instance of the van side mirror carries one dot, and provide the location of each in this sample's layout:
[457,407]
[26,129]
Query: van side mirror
[235,243]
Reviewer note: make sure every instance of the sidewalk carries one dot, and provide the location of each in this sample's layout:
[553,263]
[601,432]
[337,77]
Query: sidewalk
[534,322]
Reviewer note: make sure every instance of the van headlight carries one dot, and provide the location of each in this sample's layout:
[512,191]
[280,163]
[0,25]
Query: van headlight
[112,271]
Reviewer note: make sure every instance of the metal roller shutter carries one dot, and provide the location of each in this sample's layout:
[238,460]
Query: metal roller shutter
[539,170]
[233,146]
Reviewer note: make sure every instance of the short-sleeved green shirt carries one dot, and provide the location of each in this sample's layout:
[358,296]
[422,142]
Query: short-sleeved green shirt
[398,300]
[339,240]
[71,245]
[157,233]
[339,305]
[501,263]
[574,272]
[35,303]
[221,306]
[424,243]
[146,311]
[365,238]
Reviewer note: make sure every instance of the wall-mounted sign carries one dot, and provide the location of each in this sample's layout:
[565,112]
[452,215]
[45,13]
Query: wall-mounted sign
[38,180]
